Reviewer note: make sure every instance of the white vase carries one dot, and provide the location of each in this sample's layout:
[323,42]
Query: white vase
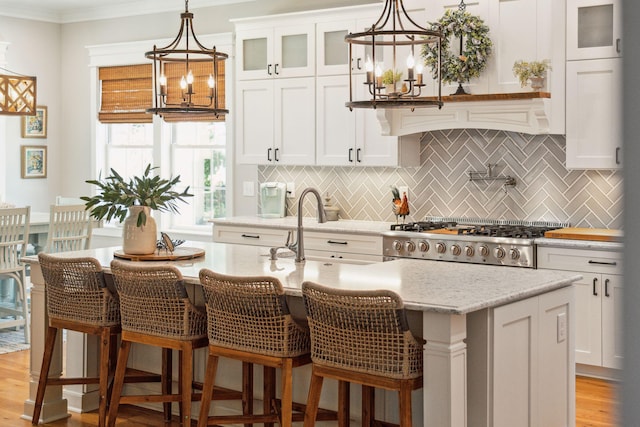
[139,240]
[537,83]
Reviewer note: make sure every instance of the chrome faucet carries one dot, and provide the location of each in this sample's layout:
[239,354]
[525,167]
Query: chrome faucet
[298,246]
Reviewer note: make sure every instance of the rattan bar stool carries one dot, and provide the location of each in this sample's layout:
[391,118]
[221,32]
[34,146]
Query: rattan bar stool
[155,310]
[361,337]
[249,320]
[78,299]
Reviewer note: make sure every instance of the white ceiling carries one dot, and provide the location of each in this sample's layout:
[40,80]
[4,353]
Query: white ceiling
[66,11]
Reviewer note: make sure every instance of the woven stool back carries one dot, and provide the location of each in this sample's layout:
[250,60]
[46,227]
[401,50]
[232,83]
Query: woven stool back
[251,314]
[76,291]
[363,331]
[154,301]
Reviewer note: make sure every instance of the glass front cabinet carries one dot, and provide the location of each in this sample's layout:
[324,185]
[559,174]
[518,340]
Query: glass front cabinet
[594,29]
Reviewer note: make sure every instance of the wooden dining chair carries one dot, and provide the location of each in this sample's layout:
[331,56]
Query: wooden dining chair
[361,337]
[70,228]
[14,237]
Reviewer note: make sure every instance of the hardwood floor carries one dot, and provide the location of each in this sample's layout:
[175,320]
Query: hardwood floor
[596,401]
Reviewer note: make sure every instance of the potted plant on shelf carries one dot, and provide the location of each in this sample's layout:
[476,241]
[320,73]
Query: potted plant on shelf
[534,71]
[389,78]
[136,197]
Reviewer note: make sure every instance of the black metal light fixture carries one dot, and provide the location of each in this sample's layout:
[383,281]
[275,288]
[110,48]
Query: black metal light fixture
[388,36]
[17,94]
[185,75]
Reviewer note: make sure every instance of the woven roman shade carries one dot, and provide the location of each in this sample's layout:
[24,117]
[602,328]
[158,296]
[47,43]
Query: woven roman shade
[126,93]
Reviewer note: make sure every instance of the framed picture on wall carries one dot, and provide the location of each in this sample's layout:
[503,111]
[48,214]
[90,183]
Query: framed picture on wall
[33,162]
[35,126]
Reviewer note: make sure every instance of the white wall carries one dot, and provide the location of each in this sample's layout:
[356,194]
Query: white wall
[57,55]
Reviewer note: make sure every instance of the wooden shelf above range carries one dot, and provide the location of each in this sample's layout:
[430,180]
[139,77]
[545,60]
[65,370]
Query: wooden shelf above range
[493,97]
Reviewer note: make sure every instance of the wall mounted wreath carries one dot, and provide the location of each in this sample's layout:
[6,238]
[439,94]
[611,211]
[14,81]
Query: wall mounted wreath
[459,63]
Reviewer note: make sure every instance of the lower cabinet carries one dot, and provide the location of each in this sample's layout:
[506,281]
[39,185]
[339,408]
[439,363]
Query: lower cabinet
[598,302]
[527,350]
[247,235]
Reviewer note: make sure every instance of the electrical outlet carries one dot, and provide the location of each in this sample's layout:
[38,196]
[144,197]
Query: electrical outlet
[248,189]
[291,190]
[404,189]
[562,327]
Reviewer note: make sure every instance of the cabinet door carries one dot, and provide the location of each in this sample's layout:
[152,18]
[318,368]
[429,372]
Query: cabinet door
[295,119]
[594,128]
[612,331]
[336,133]
[254,54]
[594,29]
[331,50]
[588,343]
[254,122]
[294,51]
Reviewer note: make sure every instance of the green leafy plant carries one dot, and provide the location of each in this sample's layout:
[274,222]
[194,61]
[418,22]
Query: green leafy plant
[389,77]
[116,195]
[525,70]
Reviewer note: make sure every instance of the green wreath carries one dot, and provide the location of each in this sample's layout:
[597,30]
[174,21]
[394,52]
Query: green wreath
[458,68]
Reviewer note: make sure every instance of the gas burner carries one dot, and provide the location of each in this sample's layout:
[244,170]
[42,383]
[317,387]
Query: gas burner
[501,230]
[421,226]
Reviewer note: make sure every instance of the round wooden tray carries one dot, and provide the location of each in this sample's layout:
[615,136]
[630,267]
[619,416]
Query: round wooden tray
[178,254]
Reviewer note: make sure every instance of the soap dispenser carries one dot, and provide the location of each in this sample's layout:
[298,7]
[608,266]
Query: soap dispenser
[330,210]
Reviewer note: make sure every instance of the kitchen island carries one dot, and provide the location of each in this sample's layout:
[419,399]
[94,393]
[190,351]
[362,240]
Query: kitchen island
[499,341]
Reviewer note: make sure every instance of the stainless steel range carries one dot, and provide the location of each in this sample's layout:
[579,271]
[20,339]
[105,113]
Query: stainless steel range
[478,241]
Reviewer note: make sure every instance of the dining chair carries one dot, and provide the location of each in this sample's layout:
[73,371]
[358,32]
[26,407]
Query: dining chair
[14,236]
[70,228]
[155,310]
[361,337]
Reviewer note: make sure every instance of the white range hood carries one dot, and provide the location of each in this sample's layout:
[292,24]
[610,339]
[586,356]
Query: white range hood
[516,112]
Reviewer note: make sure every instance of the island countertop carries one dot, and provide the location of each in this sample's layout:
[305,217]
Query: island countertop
[453,288]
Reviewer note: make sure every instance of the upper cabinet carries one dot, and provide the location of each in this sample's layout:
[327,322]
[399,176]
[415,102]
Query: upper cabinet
[594,29]
[283,51]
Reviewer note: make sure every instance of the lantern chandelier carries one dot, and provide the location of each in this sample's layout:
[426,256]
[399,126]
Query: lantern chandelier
[185,75]
[17,94]
[394,36]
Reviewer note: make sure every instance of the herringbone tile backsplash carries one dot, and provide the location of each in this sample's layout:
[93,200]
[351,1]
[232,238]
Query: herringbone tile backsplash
[544,191]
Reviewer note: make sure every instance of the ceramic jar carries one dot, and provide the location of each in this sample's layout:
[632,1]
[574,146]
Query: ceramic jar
[139,240]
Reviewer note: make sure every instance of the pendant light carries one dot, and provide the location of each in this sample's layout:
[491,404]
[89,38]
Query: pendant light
[186,76]
[393,46]
[17,94]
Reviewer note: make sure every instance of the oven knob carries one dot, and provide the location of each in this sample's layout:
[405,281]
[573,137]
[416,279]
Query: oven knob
[484,250]
[441,248]
[469,251]
[410,246]
[514,253]
[456,250]
[397,245]
[499,252]
[424,246]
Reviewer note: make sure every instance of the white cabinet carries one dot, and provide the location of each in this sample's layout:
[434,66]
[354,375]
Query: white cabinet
[275,123]
[594,114]
[598,302]
[343,246]
[345,138]
[280,51]
[248,235]
[594,29]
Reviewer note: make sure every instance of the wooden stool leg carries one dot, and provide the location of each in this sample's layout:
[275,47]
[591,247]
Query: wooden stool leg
[167,365]
[286,402]
[404,398]
[368,406]
[269,391]
[118,381]
[247,390]
[186,382]
[50,341]
[344,403]
[105,349]
[207,389]
[313,400]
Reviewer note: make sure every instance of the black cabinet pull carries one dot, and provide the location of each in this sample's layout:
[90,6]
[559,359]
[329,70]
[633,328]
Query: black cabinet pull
[336,242]
[269,154]
[275,155]
[613,263]
[275,69]
[595,292]
[618,47]
[251,236]
[606,288]
[358,155]
[350,155]
[617,155]
[359,64]
[269,69]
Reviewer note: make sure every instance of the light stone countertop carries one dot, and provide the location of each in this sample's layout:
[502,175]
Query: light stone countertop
[580,244]
[309,224]
[454,288]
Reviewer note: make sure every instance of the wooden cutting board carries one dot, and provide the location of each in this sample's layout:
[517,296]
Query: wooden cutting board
[577,233]
[180,253]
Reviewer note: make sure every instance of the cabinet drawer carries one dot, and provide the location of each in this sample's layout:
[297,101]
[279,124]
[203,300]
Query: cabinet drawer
[580,260]
[344,243]
[255,236]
